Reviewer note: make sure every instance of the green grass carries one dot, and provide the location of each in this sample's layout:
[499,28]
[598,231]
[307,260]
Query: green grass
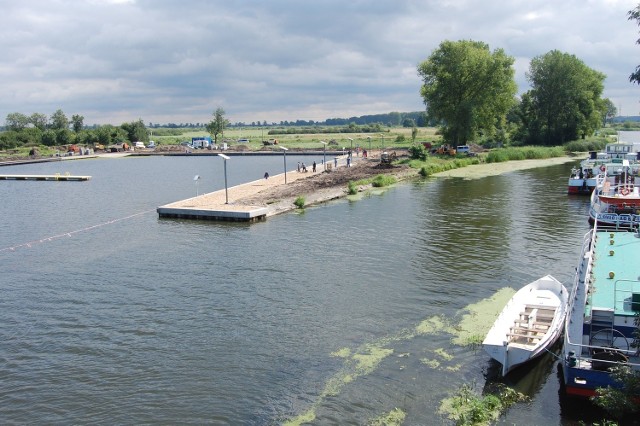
[378,181]
[524,153]
[381,181]
[434,165]
[385,139]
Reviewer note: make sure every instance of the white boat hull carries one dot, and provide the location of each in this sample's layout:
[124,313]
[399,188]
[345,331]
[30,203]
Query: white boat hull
[529,323]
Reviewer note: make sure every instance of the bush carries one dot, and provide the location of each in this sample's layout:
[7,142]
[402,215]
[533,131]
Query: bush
[352,188]
[417,152]
[299,202]
[383,180]
[596,144]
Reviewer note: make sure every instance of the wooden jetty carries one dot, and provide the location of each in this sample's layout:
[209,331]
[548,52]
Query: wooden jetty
[55,177]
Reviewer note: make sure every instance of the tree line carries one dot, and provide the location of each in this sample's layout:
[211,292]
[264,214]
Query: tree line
[38,129]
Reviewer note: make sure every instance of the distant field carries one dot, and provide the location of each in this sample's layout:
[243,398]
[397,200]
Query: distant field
[303,140]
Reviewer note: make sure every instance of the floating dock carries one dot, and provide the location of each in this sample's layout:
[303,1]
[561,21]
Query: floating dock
[56,177]
[214,206]
[230,204]
[221,212]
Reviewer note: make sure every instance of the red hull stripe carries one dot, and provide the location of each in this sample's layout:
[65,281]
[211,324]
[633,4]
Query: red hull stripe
[580,391]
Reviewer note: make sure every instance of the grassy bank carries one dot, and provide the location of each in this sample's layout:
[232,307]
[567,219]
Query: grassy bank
[437,164]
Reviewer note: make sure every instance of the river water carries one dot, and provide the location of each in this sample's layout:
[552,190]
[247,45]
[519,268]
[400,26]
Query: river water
[110,315]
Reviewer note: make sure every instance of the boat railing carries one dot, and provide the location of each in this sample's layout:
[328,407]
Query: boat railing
[577,351]
[583,262]
[623,299]
[587,354]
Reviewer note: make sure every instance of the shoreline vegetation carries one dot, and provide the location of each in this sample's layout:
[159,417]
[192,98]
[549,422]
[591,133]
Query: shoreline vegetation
[368,174]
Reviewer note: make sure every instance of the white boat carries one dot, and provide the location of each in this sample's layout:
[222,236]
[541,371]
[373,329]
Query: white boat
[529,323]
[583,178]
[616,198]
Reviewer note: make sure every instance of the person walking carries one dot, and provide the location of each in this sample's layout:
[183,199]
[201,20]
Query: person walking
[266,175]
[298,167]
[335,162]
[314,167]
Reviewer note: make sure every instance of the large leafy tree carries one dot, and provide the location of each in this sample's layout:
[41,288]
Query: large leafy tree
[16,121]
[564,103]
[77,122]
[136,131]
[216,126]
[59,120]
[467,88]
[39,120]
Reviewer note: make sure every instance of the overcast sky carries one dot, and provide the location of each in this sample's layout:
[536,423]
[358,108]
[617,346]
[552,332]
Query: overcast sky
[115,61]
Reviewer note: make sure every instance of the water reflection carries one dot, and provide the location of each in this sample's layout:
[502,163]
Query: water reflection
[230,323]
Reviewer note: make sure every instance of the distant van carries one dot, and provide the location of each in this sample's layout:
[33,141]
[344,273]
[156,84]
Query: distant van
[462,149]
[243,140]
[139,145]
[152,144]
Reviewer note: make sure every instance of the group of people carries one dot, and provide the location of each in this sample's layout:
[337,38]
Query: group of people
[303,168]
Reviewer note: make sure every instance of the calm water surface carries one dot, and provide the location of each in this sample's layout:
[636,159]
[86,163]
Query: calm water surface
[110,315]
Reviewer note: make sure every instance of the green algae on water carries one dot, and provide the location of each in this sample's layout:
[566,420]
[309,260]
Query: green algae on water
[431,363]
[366,363]
[479,318]
[393,418]
[431,325]
[342,353]
[303,418]
[442,354]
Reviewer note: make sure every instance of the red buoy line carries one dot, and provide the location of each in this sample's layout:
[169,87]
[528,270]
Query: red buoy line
[70,233]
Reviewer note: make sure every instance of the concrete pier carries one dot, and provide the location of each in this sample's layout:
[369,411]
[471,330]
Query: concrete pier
[213,205]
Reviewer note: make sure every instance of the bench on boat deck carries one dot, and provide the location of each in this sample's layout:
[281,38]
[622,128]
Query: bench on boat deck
[533,325]
[538,313]
[525,336]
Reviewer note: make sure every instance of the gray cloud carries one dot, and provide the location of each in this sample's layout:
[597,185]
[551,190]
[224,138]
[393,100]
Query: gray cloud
[169,61]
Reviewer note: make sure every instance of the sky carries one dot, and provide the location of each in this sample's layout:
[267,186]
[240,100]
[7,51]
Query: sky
[170,61]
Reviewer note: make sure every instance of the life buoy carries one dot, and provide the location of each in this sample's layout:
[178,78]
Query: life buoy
[624,191]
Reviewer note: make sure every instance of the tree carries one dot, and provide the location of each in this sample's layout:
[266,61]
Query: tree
[39,120]
[16,121]
[564,102]
[136,131]
[59,120]
[216,126]
[635,16]
[77,122]
[49,137]
[408,122]
[467,88]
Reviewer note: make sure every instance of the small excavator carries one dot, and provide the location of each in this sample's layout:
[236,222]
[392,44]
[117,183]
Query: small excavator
[446,150]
